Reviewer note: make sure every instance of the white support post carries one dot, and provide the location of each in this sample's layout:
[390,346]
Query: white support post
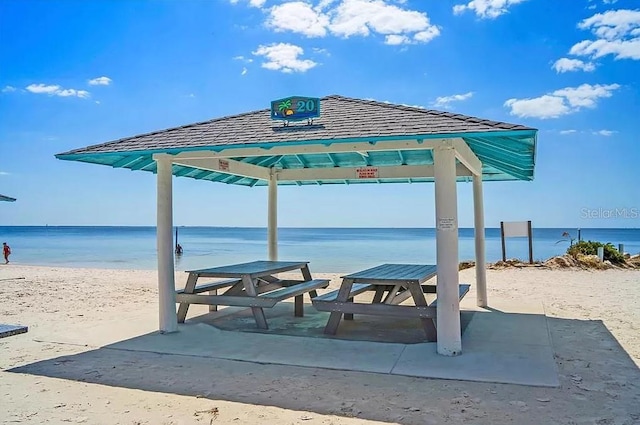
[272,220]
[448,313]
[166,277]
[481,268]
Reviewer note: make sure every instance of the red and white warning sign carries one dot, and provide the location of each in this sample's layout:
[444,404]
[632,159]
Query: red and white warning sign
[367,173]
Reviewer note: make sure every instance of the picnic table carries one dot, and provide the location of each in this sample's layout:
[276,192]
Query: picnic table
[393,284]
[249,285]
[10,330]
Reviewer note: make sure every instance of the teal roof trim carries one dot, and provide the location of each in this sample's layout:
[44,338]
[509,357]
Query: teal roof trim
[512,158]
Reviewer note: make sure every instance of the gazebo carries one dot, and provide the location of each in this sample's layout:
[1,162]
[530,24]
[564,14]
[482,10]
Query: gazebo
[333,140]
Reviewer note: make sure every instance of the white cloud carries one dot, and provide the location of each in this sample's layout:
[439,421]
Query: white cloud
[3,173]
[100,81]
[617,32]
[568,65]
[565,132]
[298,17]
[541,107]
[56,90]
[445,101]
[244,71]
[621,49]
[243,59]
[43,89]
[321,51]
[8,89]
[253,3]
[284,57]
[348,18]
[486,8]
[561,102]
[612,24]
[605,133]
[586,95]
[395,39]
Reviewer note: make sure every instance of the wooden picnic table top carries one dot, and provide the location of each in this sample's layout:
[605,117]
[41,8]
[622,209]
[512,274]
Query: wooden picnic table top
[253,269]
[394,273]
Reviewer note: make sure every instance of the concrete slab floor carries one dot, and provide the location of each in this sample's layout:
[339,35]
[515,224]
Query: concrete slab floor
[498,346]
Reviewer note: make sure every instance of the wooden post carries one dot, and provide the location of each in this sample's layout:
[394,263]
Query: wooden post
[504,246]
[448,312]
[166,278]
[530,242]
[272,218]
[481,269]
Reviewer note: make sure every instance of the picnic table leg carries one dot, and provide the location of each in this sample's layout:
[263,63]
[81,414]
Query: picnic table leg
[298,310]
[334,319]
[377,298]
[349,316]
[306,275]
[392,294]
[299,299]
[188,289]
[213,307]
[258,313]
[420,301]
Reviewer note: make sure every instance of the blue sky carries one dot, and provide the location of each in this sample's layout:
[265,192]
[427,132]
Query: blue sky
[75,73]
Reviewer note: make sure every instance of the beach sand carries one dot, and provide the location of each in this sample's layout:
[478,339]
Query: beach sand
[50,376]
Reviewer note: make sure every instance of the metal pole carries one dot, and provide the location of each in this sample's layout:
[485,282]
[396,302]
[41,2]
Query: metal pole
[530,235]
[504,245]
[481,268]
[272,220]
[448,313]
[166,278]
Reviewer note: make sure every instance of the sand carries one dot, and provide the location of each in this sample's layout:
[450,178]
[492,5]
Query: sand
[49,376]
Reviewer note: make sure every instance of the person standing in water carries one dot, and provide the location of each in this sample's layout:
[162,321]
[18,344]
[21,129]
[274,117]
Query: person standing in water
[6,251]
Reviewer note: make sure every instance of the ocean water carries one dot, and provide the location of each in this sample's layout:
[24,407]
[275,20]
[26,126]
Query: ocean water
[337,250]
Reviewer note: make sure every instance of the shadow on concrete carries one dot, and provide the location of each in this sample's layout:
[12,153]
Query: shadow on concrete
[596,375]
[363,328]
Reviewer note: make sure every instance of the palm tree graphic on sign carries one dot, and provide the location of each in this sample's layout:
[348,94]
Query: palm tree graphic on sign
[285,108]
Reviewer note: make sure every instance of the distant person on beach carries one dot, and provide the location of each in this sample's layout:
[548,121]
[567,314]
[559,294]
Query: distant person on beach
[178,249]
[6,251]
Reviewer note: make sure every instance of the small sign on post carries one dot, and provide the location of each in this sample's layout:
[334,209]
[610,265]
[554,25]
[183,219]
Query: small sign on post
[516,229]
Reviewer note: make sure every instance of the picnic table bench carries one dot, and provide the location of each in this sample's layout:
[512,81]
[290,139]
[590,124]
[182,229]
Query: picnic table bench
[249,285]
[393,284]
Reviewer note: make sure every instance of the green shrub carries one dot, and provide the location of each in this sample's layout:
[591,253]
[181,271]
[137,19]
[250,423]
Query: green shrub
[591,248]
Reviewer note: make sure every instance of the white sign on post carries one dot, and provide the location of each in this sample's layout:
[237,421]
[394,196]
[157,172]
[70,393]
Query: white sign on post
[447,224]
[516,229]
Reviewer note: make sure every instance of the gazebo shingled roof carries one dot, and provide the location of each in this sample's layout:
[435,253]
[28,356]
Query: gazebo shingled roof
[507,151]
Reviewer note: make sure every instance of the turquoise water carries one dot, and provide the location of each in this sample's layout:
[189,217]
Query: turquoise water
[328,249]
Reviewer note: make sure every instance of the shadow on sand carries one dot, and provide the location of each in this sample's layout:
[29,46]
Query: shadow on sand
[597,379]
